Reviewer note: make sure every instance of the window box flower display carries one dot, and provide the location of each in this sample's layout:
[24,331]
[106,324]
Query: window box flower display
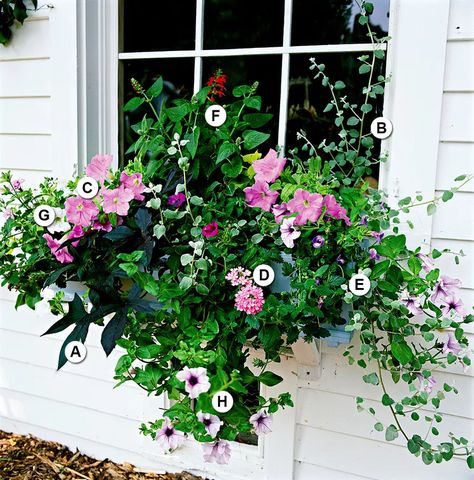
[167,247]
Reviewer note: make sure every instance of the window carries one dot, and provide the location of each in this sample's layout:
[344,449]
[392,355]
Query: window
[271,41]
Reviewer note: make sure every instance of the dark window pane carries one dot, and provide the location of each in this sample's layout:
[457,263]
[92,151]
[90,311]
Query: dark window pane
[243,23]
[178,80]
[308,98]
[335,21]
[149,25]
[245,70]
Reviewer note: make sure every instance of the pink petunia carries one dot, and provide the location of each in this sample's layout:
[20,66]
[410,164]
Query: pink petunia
[335,210]
[117,200]
[62,255]
[76,232]
[280,212]
[80,211]
[99,167]
[177,200]
[106,226]
[268,168]
[210,230]
[307,205]
[259,195]
[218,451]
[134,183]
[168,437]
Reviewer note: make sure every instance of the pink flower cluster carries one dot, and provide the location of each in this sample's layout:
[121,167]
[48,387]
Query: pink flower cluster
[249,298]
[84,214]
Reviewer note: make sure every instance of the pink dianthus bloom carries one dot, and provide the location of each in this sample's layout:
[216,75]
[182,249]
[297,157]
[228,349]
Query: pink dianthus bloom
[117,200]
[99,167]
[249,299]
[268,168]
[80,211]
[218,451]
[239,276]
[259,195]
[335,210]
[307,205]
[134,183]
[62,255]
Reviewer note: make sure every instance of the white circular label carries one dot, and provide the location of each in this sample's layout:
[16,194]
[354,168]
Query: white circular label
[359,284]
[215,115]
[381,128]
[75,352]
[44,215]
[263,275]
[87,187]
[222,402]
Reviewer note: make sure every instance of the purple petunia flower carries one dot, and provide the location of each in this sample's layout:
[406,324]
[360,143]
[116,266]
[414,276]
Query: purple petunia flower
[289,233]
[218,451]
[280,211]
[212,423]
[426,384]
[168,437]
[318,241]
[426,262]
[451,345]
[196,380]
[340,260]
[378,236]
[176,200]
[363,221]
[452,304]
[261,422]
[412,303]
[373,254]
[446,286]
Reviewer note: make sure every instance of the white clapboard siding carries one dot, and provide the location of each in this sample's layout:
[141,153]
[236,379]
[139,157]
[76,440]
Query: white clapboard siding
[461,20]
[459,73]
[448,223]
[457,119]
[454,159]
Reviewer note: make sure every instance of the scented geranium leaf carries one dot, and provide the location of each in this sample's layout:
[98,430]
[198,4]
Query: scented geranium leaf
[134,103]
[76,313]
[391,433]
[269,378]
[402,352]
[119,233]
[156,88]
[253,138]
[114,330]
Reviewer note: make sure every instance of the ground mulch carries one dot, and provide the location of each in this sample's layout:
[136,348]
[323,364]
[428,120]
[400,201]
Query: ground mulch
[29,458]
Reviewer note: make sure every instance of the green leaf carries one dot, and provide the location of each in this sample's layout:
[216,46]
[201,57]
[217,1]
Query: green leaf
[114,330]
[241,90]
[387,400]
[226,150]
[328,108]
[185,283]
[193,138]
[379,427]
[202,289]
[253,102]
[371,378]
[470,461]
[257,120]
[253,139]
[413,447]
[159,230]
[460,178]
[176,114]
[269,378]
[233,168]
[391,433]
[448,195]
[186,259]
[427,457]
[401,351]
[364,68]
[352,121]
[156,88]
[132,104]
[431,209]
[339,85]
[257,238]
[119,233]
[366,108]
[363,20]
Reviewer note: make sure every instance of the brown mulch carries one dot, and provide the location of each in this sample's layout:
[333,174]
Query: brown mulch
[29,458]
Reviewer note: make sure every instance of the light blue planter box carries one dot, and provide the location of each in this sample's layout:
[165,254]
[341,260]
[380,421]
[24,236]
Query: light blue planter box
[282,284]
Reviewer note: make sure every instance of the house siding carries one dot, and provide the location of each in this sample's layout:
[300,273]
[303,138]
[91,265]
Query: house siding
[79,407]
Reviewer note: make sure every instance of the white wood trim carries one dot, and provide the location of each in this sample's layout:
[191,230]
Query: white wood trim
[63,58]
[198,45]
[234,52]
[414,106]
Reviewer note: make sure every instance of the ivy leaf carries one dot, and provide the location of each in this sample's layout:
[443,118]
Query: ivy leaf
[402,352]
[253,139]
